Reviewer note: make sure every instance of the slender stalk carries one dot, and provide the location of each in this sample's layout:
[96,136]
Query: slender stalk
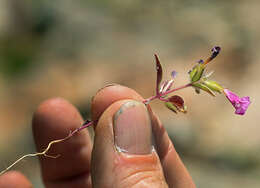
[84,125]
[160,95]
[176,89]
[163,99]
[148,100]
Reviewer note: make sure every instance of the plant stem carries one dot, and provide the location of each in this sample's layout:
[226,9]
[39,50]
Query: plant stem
[148,100]
[176,89]
[84,125]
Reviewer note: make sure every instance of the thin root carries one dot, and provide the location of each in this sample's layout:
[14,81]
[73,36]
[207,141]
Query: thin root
[44,153]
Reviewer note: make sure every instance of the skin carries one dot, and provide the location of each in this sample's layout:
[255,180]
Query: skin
[84,164]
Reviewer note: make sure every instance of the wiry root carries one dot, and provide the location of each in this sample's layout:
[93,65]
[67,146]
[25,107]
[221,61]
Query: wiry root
[44,153]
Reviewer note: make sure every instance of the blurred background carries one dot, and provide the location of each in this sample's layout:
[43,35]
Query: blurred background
[70,49]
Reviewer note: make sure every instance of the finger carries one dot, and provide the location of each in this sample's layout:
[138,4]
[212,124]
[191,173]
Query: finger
[174,169]
[54,119]
[14,179]
[123,154]
[175,172]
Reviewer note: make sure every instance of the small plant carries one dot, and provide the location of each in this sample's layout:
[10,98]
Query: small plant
[198,80]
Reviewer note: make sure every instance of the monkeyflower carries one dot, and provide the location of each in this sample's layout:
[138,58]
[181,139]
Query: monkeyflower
[240,104]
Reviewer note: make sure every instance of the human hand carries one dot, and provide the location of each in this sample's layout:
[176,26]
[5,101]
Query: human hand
[131,148]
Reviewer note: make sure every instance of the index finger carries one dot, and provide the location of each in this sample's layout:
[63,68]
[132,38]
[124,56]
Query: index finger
[54,119]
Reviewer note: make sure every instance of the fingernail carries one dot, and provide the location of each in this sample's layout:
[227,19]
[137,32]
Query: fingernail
[108,85]
[132,129]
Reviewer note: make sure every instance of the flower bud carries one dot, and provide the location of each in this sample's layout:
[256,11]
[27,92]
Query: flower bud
[204,88]
[213,86]
[196,72]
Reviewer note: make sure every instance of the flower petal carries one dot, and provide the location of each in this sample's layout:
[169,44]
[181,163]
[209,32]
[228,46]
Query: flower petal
[163,84]
[167,86]
[245,100]
[240,111]
[240,104]
[232,97]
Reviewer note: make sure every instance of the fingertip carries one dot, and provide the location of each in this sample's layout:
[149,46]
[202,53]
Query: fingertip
[52,109]
[53,119]
[14,179]
[108,95]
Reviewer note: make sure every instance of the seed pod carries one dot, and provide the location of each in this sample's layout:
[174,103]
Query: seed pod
[170,106]
[176,103]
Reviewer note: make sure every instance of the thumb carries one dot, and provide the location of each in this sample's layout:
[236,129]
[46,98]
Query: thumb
[123,153]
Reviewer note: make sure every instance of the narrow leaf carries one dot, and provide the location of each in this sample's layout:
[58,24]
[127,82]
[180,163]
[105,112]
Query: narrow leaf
[159,73]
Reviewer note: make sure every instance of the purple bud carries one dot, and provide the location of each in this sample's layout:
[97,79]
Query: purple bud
[174,74]
[215,51]
[200,61]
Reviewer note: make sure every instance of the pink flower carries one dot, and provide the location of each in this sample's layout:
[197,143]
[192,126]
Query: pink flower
[240,104]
